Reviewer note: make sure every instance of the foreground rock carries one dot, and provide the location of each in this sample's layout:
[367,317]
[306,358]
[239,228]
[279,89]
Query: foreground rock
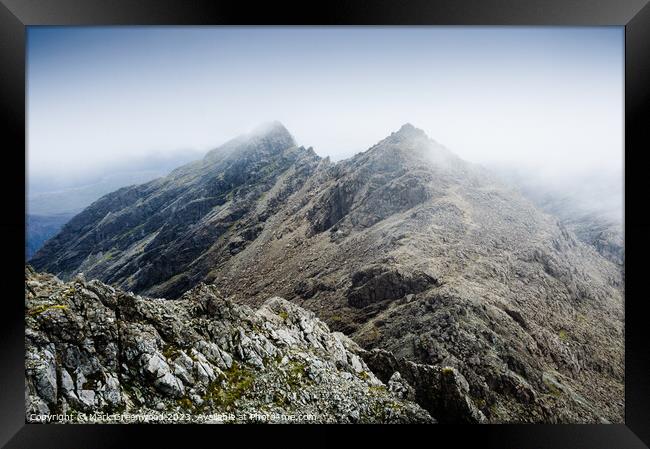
[91,349]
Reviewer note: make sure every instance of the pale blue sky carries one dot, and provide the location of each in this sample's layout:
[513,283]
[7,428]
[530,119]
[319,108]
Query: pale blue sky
[549,98]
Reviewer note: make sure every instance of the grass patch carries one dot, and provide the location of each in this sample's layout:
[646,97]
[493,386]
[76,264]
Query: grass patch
[45,307]
[280,400]
[554,391]
[377,390]
[296,373]
[186,404]
[563,334]
[227,390]
[552,388]
[170,351]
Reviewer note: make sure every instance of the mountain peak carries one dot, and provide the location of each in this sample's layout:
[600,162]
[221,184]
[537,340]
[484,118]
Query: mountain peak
[273,136]
[409,131]
[270,135]
[272,128]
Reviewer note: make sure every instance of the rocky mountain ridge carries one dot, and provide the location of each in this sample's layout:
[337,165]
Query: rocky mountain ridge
[94,350]
[404,247]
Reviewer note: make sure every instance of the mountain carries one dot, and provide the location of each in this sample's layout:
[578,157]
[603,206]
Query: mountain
[92,350]
[405,248]
[141,237]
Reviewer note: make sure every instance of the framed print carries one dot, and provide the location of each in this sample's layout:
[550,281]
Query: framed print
[361,213]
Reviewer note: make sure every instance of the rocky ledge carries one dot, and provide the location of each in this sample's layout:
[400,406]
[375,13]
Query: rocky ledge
[93,349]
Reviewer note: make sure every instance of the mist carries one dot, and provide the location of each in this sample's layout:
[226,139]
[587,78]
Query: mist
[598,193]
[547,103]
[71,191]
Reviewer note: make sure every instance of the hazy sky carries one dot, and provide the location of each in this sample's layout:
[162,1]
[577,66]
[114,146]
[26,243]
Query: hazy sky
[549,98]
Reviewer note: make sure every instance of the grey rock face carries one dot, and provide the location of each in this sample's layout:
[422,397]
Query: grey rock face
[401,388]
[42,368]
[442,391]
[378,283]
[197,356]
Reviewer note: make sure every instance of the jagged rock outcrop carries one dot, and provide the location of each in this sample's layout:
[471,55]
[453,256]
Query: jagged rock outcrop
[604,234]
[92,349]
[443,391]
[377,283]
[404,247]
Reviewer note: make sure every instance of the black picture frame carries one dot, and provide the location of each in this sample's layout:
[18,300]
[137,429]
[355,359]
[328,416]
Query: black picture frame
[634,15]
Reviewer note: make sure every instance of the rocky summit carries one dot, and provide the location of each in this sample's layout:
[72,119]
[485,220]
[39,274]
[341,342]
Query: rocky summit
[421,258]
